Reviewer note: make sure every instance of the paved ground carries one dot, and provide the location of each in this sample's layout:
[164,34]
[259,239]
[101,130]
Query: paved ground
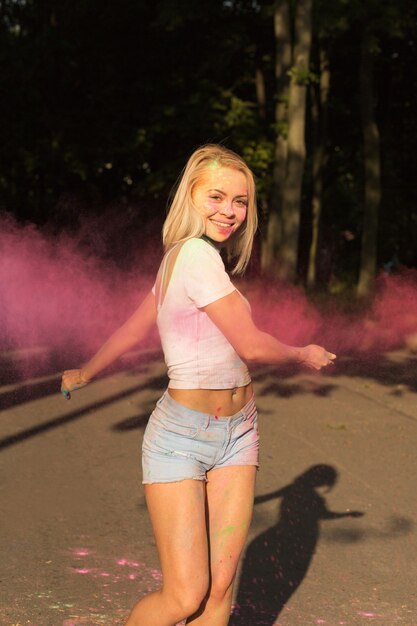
[77,547]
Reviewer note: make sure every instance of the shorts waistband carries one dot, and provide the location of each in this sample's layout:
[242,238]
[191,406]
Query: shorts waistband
[204,419]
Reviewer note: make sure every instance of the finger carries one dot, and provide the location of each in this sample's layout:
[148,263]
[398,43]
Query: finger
[73,386]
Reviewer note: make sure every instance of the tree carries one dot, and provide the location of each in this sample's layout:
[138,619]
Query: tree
[372,166]
[320,105]
[102,104]
[291,197]
[292,74]
[283,60]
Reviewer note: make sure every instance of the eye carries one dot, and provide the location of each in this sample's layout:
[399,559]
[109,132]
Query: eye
[215,197]
[242,203]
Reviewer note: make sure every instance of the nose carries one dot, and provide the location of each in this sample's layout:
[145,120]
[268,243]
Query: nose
[227,208]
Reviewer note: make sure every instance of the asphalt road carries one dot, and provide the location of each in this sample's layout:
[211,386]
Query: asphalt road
[333,538]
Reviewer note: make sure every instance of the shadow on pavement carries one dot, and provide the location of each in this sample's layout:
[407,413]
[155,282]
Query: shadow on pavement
[271,380]
[154,383]
[382,369]
[137,421]
[284,381]
[29,390]
[277,560]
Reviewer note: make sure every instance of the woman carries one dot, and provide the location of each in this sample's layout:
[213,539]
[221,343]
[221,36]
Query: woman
[200,448]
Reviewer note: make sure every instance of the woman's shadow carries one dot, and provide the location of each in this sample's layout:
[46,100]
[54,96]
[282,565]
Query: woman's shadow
[277,560]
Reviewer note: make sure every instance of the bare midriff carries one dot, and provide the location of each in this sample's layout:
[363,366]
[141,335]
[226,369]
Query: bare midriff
[217,402]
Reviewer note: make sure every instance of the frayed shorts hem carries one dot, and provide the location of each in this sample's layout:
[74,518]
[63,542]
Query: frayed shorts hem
[173,480]
[202,478]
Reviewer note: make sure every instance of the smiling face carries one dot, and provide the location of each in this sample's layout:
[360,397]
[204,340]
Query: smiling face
[221,196]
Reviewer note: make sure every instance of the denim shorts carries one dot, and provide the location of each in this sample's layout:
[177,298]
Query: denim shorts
[180,443]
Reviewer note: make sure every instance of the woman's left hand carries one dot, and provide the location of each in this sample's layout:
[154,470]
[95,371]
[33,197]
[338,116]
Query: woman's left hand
[316,357]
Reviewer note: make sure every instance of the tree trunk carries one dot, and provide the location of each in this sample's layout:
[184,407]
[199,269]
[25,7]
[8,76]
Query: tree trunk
[320,130]
[291,200]
[283,59]
[260,92]
[372,167]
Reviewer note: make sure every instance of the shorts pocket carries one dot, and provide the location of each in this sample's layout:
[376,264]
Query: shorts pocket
[179,427]
[168,425]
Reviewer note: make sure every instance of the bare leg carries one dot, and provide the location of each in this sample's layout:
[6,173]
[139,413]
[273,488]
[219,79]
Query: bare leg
[178,516]
[230,492]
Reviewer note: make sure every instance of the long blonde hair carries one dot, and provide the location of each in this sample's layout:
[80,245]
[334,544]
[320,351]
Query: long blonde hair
[185,221]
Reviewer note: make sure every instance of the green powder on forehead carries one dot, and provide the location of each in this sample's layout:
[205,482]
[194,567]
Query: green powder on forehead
[214,164]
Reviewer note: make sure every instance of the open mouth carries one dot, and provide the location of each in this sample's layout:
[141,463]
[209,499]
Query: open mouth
[222,224]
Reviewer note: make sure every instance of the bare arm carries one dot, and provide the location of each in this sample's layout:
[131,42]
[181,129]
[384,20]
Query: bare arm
[231,316]
[135,329]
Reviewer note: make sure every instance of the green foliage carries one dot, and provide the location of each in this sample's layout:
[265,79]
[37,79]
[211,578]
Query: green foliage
[104,102]
[303,76]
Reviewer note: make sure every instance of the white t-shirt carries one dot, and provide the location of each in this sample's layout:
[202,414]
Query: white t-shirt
[197,354]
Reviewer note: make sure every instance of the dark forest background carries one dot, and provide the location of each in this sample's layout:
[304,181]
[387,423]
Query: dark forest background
[102,103]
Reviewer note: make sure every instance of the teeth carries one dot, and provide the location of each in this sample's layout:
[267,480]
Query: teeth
[222,224]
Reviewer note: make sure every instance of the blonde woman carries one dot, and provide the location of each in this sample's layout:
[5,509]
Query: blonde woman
[200,447]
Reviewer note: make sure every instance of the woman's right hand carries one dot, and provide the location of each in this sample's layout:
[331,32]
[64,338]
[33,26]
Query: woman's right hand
[316,357]
[71,381]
